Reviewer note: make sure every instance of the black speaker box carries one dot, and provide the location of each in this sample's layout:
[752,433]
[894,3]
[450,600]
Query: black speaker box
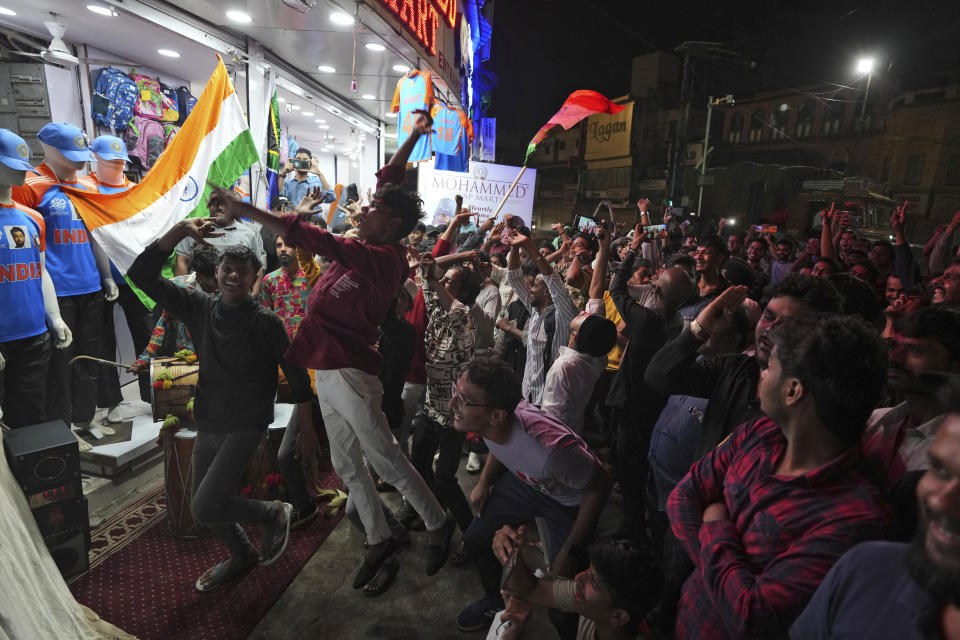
[60,516]
[43,455]
[69,550]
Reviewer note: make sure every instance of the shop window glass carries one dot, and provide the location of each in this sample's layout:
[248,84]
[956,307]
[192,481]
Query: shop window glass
[757,121]
[805,116]
[736,127]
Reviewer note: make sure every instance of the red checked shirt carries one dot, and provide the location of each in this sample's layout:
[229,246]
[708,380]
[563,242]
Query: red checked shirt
[755,572]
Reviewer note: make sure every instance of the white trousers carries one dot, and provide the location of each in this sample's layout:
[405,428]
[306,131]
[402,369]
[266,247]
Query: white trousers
[356,426]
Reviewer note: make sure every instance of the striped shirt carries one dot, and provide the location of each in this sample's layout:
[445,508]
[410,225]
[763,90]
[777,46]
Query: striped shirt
[562,310]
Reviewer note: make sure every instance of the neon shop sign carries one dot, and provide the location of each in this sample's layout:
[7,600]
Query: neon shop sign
[422,18]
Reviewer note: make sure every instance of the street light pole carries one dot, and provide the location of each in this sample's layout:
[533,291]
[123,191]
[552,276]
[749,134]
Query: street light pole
[703,160]
[866,96]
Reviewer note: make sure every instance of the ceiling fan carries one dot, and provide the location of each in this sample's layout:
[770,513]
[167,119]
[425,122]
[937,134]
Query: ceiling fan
[58,52]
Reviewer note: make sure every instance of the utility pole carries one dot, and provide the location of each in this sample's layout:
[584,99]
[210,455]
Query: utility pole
[711,103]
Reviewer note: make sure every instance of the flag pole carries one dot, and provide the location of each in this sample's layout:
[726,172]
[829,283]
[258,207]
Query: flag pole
[496,211]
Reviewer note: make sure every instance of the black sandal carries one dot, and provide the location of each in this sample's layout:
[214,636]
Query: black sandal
[370,568]
[384,577]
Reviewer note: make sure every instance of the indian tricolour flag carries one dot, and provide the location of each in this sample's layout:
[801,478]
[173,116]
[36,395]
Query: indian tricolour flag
[214,144]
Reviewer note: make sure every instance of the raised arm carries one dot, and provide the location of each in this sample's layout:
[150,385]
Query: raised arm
[421,127]
[827,248]
[598,283]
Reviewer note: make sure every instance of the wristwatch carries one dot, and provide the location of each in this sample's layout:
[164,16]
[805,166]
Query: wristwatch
[699,332]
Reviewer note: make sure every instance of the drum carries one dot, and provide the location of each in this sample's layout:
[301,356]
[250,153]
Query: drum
[174,399]
[178,482]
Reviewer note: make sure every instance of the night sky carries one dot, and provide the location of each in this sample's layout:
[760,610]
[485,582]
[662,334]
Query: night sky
[545,49]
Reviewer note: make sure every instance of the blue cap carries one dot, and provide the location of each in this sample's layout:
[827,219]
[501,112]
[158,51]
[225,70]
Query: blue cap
[14,151]
[110,148]
[66,138]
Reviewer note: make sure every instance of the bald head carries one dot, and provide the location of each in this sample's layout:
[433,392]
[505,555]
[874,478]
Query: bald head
[676,287]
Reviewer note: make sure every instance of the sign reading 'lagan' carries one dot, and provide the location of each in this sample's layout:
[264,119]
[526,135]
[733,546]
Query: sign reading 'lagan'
[422,18]
[482,190]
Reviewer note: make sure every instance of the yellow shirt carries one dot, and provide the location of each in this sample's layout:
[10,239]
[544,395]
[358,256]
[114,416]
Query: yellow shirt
[613,358]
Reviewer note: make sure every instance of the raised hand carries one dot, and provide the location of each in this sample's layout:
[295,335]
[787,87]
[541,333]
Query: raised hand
[311,201]
[639,235]
[717,315]
[428,267]
[423,125]
[201,228]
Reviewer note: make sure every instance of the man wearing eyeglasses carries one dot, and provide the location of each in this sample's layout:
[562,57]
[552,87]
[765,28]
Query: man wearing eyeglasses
[536,467]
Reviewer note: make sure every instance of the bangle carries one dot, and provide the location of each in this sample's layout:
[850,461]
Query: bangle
[699,332]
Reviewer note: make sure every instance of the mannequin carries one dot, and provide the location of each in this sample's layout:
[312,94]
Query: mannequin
[26,360]
[80,271]
[111,156]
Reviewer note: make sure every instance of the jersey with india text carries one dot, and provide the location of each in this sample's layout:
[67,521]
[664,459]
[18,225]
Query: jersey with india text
[414,91]
[21,292]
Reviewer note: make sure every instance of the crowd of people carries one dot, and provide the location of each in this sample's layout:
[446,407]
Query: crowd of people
[780,420]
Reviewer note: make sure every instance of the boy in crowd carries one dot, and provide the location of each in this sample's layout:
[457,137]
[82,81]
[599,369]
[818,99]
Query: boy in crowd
[345,310]
[239,346]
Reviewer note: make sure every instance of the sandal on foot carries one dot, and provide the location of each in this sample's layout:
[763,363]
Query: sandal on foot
[225,571]
[369,568]
[383,578]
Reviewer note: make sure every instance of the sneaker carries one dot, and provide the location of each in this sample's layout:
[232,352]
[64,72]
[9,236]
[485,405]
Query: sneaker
[273,539]
[409,518]
[115,414]
[473,462]
[459,556]
[479,615]
[303,517]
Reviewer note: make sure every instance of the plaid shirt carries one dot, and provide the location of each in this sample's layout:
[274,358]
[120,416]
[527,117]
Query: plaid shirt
[286,297]
[755,572]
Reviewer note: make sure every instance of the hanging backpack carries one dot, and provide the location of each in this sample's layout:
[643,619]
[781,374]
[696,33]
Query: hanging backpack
[150,102]
[169,130]
[115,97]
[145,141]
[185,104]
[171,112]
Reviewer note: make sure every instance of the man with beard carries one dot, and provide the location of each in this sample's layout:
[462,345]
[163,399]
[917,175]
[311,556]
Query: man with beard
[731,380]
[893,590]
[899,437]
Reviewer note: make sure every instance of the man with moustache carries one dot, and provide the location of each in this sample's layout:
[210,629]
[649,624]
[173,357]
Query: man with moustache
[730,380]
[893,590]
[899,437]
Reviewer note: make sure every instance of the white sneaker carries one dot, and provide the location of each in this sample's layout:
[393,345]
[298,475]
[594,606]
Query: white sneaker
[436,457]
[473,462]
[115,414]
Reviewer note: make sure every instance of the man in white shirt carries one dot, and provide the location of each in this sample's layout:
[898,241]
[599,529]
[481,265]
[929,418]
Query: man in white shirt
[551,311]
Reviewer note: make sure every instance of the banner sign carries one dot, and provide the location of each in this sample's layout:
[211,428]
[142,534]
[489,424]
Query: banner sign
[482,190]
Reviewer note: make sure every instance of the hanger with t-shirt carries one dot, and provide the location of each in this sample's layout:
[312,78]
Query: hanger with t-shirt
[414,91]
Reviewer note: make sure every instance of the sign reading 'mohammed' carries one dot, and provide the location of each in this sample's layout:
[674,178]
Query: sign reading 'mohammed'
[482,189]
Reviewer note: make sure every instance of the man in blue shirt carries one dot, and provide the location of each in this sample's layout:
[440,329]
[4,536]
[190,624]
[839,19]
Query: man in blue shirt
[893,590]
[306,174]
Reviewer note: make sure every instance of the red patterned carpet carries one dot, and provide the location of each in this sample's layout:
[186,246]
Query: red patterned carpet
[141,577]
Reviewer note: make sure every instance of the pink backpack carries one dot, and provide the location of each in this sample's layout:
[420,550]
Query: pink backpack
[150,102]
[146,140]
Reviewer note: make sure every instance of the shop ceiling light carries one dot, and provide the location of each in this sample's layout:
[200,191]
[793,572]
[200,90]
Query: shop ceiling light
[401,68]
[239,17]
[335,110]
[320,121]
[373,46]
[341,18]
[309,114]
[326,68]
[170,53]
[295,107]
[324,126]
[102,10]
[7,12]
[390,114]
[368,96]
[281,99]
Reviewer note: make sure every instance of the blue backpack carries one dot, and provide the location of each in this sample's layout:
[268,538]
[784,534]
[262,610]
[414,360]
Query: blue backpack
[185,103]
[114,98]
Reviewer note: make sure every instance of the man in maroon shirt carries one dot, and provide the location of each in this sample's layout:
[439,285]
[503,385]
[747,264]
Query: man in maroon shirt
[337,337]
[766,514]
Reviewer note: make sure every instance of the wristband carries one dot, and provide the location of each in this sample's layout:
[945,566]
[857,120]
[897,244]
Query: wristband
[699,332]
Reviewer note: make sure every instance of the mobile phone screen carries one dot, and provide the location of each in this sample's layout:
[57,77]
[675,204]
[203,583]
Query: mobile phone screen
[656,231]
[586,225]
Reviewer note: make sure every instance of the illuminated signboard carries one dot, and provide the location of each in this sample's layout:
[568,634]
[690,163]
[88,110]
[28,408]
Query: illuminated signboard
[422,18]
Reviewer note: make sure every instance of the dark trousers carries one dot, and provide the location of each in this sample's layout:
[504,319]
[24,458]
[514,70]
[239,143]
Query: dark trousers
[72,390]
[633,470]
[428,438]
[219,461]
[513,503]
[23,380]
[140,322]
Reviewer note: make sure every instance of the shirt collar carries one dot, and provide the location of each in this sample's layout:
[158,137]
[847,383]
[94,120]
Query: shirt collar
[46,170]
